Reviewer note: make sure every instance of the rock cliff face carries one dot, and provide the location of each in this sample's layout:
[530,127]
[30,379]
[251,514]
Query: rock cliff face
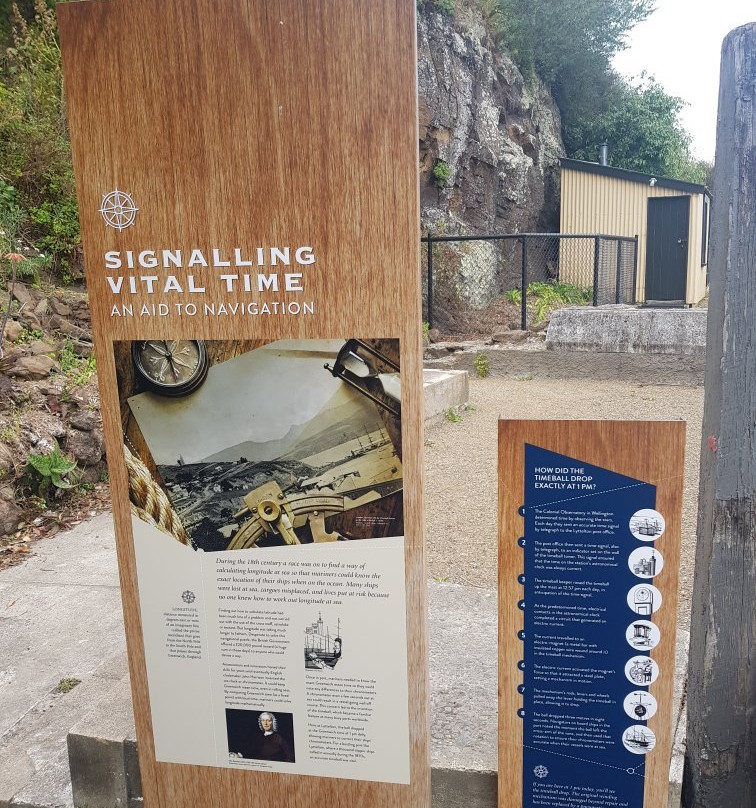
[499,136]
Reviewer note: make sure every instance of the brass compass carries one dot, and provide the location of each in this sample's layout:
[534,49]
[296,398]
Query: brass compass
[171,367]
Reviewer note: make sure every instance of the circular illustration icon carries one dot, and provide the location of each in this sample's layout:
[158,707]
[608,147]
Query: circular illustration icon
[643,635]
[647,524]
[641,670]
[188,596]
[640,705]
[118,210]
[644,599]
[638,739]
[541,772]
[645,562]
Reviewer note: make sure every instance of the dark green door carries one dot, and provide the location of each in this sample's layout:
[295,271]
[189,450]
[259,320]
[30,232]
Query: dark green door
[667,248]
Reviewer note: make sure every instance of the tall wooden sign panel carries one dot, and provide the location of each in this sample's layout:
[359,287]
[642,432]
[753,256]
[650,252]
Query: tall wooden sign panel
[589,546]
[247,190]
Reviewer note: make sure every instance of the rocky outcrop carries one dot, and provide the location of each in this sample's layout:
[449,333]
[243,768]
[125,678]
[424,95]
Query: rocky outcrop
[498,135]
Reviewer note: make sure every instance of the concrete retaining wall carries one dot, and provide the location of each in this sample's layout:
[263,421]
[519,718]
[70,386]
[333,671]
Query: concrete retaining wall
[626,329]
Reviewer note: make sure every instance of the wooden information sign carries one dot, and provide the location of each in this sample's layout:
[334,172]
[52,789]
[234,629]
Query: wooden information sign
[247,186]
[589,546]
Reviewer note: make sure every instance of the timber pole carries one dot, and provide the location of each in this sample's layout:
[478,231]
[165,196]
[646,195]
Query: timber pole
[720,768]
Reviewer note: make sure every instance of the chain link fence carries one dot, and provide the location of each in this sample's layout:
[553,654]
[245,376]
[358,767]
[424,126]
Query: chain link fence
[476,285]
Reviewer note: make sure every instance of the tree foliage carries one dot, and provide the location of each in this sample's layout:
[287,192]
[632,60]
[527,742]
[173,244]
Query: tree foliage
[640,122]
[562,39]
[35,153]
[569,45]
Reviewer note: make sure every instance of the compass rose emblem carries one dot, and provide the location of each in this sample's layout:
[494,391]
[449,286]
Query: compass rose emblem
[118,210]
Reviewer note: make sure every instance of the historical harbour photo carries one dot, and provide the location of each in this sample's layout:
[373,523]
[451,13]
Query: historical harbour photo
[233,446]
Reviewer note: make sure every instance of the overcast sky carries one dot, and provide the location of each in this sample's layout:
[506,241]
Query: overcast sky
[680,44]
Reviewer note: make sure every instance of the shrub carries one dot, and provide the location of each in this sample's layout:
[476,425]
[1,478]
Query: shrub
[35,154]
[441,173]
[48,474]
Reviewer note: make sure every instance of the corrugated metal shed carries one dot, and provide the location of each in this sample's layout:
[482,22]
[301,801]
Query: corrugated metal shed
[672,235]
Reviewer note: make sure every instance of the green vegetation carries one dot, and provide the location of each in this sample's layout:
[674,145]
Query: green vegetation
[453,415]
[444,6]
[641,122]
[67,684]
[37,190]
[482,365]
[49,474]
[552,295]
[28,335]
[441,173]
[569,45]
[78,369]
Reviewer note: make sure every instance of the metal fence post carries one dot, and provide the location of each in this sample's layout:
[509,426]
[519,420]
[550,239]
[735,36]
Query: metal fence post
[635,269]
[618,273]
[524,286]
[430,281]
[596,251]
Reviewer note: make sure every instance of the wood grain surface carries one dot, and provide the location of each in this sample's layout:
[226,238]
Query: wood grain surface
[256,123]
[651,451]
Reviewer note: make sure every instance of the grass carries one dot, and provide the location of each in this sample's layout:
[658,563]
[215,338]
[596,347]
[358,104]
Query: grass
[78,369]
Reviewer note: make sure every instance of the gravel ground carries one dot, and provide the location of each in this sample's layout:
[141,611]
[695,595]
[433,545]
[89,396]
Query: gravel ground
[460,464]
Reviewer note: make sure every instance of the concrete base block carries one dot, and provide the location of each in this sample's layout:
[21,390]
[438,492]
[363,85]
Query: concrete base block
[626,329]
[102,754]
[444,390]
[451,788]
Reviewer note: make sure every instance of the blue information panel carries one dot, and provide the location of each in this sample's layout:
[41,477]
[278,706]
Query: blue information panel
[590,558]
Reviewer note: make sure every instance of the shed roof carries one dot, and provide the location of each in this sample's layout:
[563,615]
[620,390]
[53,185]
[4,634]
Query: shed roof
[633,176]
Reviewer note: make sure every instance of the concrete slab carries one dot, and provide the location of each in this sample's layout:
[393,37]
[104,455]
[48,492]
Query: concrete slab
[97,712]
[35,767]
[60,617]
[627,329]
[462,631]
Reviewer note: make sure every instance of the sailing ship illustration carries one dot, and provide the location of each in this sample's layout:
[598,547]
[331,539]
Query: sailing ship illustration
[640,738]
[321,649]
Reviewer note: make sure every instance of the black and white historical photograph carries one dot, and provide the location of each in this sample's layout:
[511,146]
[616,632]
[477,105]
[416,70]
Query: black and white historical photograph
[323,645]
[265,735]
[291,442]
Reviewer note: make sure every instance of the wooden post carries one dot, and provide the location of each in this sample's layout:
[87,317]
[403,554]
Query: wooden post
[721,754]
[247,186]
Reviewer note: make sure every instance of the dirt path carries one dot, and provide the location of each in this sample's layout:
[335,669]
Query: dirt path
[460,463]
